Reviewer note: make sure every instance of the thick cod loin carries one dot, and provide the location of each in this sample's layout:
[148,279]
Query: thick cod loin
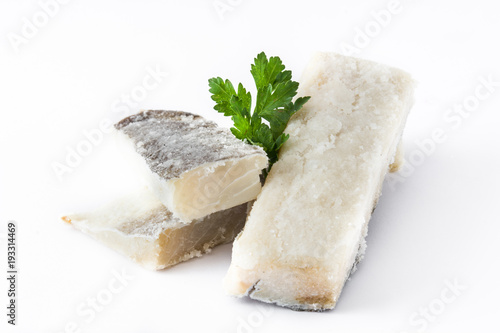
[306,230]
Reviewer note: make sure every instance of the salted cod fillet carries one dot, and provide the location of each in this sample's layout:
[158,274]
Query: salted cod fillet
[306,230]
[194,167]
[141,228]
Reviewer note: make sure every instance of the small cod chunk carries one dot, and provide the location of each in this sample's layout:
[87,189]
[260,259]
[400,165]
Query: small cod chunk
[194,167]
[141,228]
[306,230]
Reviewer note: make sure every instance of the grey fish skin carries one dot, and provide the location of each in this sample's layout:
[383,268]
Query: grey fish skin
[194,167]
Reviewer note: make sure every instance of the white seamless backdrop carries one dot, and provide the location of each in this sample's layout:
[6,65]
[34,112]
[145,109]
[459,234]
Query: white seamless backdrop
[71,68]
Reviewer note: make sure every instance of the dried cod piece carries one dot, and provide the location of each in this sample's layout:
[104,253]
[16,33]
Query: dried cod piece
[141,228]
[193,166]
[306,230]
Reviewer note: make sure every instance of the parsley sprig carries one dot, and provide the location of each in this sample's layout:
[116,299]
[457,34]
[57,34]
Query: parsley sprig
[275,91]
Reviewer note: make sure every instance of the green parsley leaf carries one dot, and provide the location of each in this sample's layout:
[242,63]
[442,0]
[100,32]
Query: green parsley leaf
[274,104]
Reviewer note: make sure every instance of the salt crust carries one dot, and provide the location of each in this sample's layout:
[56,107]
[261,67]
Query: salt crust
[306,230]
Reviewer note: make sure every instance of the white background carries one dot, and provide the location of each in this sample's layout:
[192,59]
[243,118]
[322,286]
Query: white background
[437,224]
